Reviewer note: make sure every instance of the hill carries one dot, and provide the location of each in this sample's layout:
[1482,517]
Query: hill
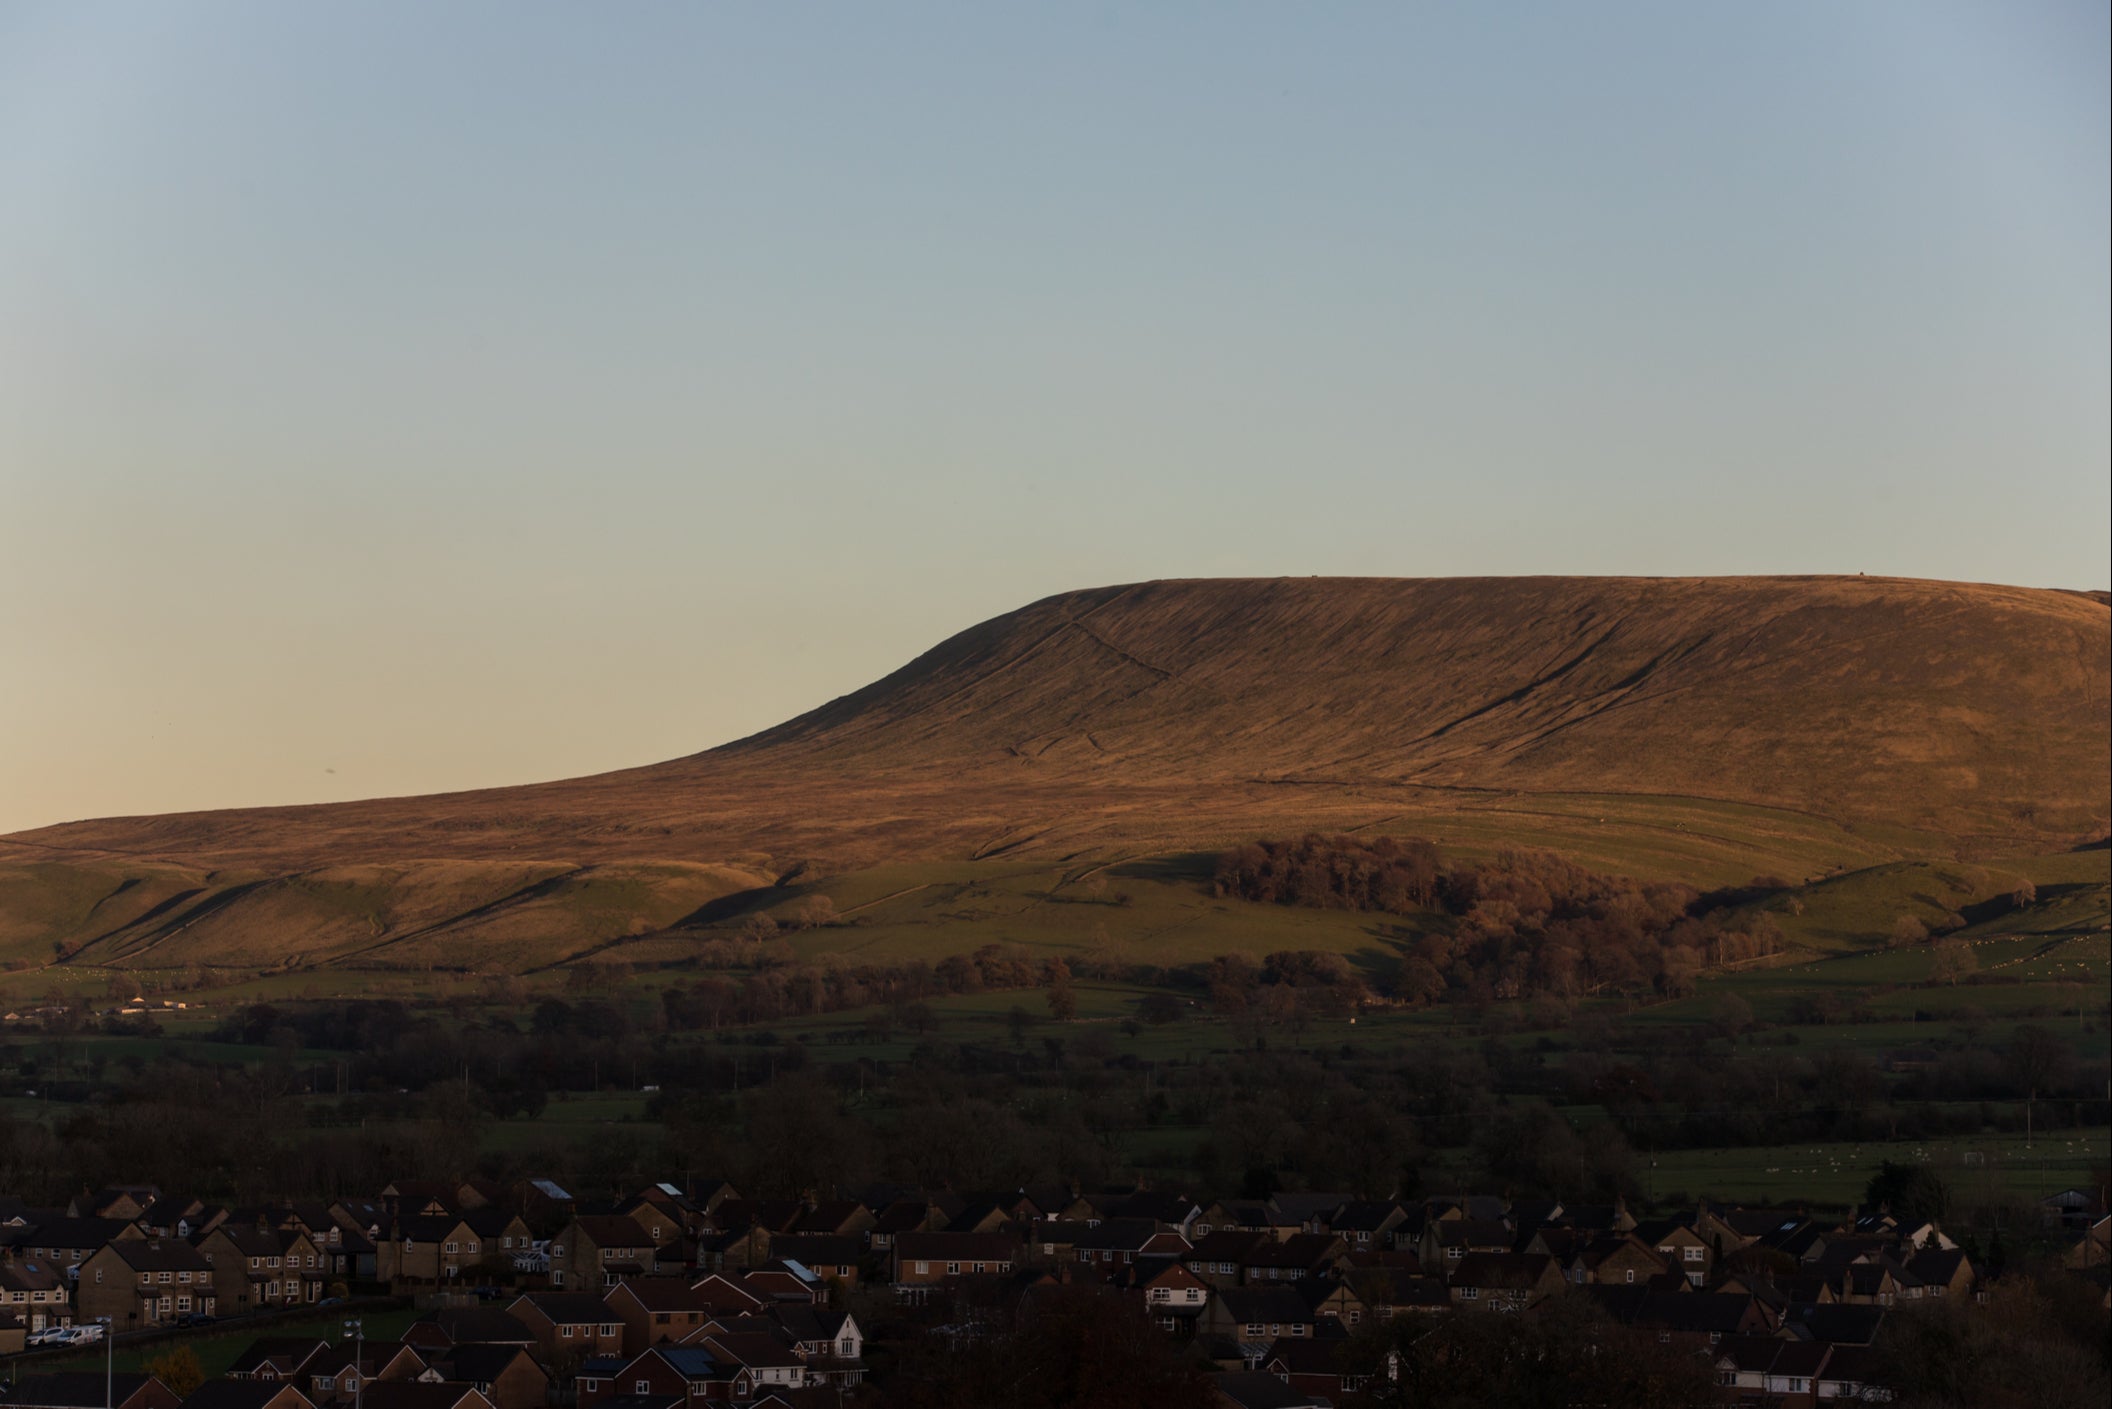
[1701,729]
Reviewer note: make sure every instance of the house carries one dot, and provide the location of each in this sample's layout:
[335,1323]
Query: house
[125,1202]
[831,1256]
[691,1374]
[784,1282]
[1697,1319]
[1119,1241]
[843,1218]
[1257,1389]
[1257,1315]
[760,1364]
[422,1394]
[277,1358]
[349,1370]
[1314,1367]
[507,1375]
[1446,1241]
[1680,1246]
[1173,1296]
[1218,1257]
[1235,1216]
[69,1242]
[668,1310]
[830,1342]
[35,1292]
[86,1389]
[1176,1212]
[569,1326]
[262,1269]
[1293,1258]
[597,1250]
[1306,1211]
[432,1250]
[1387,1292]
[903,1216]
[1611,1259]
[922,1259]
[141,1282]
[1366,1225]
[247,1394]
[1504,1281]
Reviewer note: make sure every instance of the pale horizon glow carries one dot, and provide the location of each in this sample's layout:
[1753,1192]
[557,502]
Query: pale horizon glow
[401,398]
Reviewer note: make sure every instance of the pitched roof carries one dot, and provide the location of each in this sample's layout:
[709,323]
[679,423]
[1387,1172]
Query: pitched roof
[284,1354]
[568,1308]
[1508,1271]
[75,1389]
[1267,1304]
[162,1255]
[1258,1389]
[241,1394]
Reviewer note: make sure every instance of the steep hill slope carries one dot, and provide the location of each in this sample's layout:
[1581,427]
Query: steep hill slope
[1804,721]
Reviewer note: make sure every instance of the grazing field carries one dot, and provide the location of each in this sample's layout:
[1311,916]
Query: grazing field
[1977,1167]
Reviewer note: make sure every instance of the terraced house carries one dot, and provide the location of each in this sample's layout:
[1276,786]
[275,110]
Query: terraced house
[262,1269]
[35,1293]
[144,1282]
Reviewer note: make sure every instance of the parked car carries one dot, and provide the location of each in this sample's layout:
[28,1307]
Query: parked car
[88,1334]
[51,1335]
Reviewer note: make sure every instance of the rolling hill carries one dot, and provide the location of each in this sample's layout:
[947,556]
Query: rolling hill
[1704,729]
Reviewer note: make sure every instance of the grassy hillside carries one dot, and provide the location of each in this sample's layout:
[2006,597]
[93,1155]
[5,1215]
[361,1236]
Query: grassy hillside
[1878,743]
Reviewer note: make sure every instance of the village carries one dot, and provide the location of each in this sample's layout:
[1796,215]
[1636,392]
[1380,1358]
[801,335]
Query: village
[689,1293]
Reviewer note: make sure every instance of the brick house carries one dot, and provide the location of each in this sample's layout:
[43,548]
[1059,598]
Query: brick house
[350,1370]
[247,1394]
[507,1375]
[657,1310]
[569,1326]
[923,1259]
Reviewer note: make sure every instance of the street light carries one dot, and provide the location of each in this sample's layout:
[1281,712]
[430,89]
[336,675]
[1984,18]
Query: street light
[356,1329]
[109,1325]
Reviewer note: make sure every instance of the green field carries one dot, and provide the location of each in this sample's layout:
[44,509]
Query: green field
[1978,1166]
[218,1348]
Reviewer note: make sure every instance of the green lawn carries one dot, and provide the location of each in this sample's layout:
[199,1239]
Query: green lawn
[218,1348]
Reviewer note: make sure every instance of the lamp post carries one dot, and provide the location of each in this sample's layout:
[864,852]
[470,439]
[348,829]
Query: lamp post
[356,1329]
[109,1325]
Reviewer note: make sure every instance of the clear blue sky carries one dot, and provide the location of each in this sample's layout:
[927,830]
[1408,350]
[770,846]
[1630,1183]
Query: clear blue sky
[397,397]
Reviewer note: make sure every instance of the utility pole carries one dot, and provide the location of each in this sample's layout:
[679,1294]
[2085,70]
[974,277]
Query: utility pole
[109,1325]
[356,1328]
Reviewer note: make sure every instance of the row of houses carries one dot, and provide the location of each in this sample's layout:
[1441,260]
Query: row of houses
[693,1293]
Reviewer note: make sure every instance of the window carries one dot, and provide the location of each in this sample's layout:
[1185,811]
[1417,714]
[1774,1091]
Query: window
[1631,1274]
[1696,1254]
[642,1386]
[1470,1293]
[923,1267]
[610,1329]
[565,1331]
[953,1269]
